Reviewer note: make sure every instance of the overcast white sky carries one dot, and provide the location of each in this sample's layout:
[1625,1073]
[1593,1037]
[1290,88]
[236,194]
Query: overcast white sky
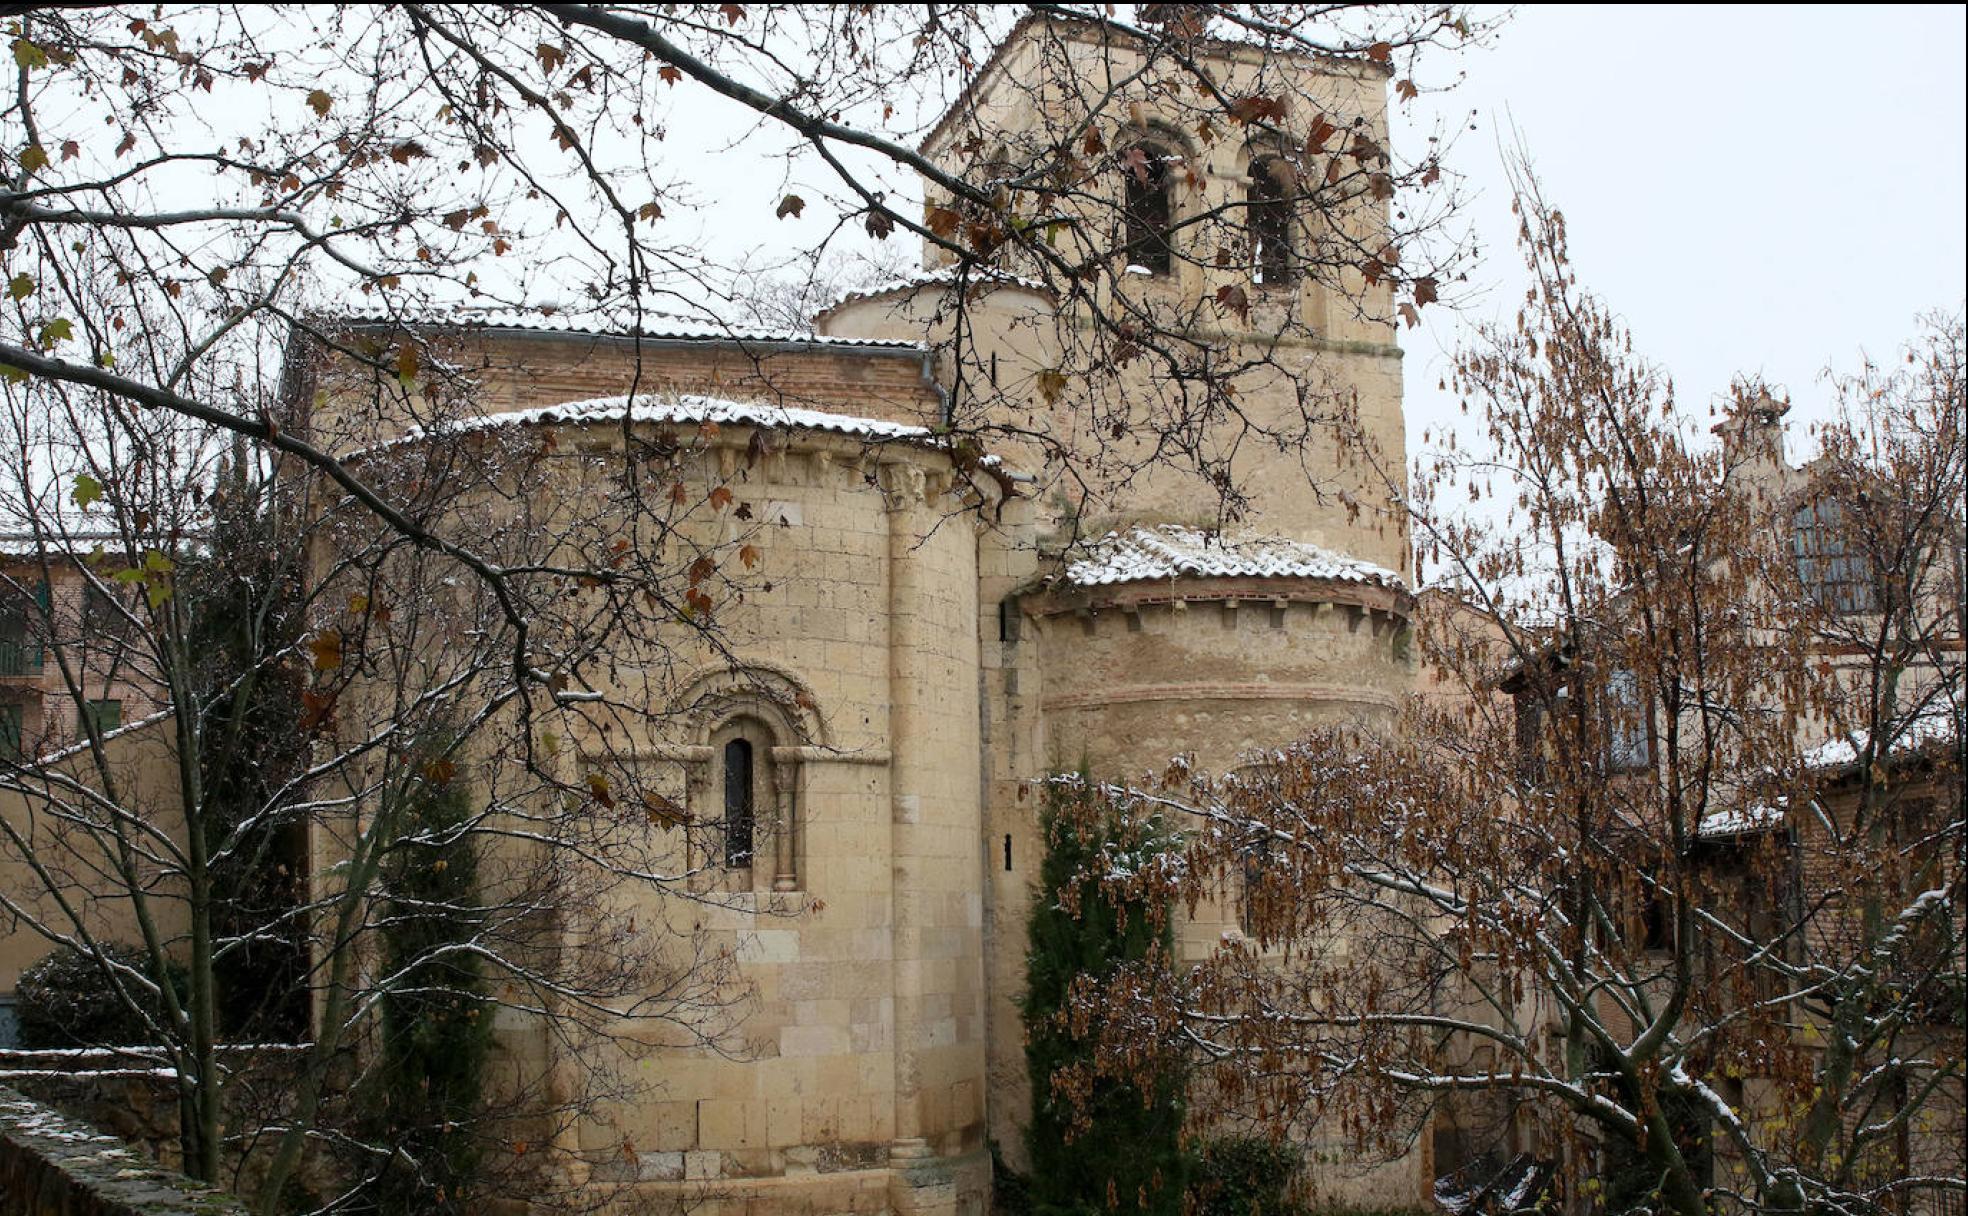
[1765,190]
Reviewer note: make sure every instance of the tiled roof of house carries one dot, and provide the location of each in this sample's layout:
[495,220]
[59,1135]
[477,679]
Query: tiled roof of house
[71,538]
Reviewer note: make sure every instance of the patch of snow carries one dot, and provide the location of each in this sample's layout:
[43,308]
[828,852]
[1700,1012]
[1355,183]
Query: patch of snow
[76,749]
[1741,821]
[1173,551]
[599,322]
[688,408]
[942,276]
[1919,732]
[42,1074]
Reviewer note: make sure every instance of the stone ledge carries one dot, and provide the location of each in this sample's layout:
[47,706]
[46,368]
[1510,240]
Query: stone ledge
[51,1165]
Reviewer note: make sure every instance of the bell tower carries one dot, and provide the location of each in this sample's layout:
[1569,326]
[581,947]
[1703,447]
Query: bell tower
[1174,329]
[1163,313]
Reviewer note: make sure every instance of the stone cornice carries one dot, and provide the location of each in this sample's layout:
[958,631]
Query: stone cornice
[1178,594]
[1347,694]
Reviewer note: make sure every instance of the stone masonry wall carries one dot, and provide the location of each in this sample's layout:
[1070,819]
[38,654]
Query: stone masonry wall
[51,1165]
[516,370]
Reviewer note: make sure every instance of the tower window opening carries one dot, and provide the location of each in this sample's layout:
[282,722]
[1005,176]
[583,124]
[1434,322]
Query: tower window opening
[1150,208]
[1270,222]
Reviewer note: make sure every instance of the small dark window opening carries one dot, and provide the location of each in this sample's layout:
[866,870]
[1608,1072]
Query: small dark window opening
[1272,263]
[101,716]
[738,812]
[1007,852]
[11,722]
[1008,619]
[103,616]
[1253,891]
[1150,208]
[1656,927]
[1913,821]
[1530,738]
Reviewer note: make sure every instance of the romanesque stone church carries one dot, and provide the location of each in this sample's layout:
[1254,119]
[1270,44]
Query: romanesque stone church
[948,606]
[943,628]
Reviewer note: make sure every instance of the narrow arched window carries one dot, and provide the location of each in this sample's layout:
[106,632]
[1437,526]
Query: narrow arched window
[1150,209]
[1272,261]
[740,819]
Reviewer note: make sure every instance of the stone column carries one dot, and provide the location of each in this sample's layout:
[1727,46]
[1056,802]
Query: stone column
[936,1160]
[698,799]
[908,522]
[785,868]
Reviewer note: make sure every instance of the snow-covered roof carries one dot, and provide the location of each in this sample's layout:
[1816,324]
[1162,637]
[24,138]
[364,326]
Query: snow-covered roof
[1741,820]
[610,322]
[1933,730]
[70,539]
[1172,551]
[942,276]
[1926,730]
[689,408]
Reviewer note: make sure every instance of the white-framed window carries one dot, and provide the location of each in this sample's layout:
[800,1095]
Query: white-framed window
[1831,566]
[1627,746]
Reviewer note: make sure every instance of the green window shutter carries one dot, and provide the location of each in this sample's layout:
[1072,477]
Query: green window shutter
[44,602]
[16,655]
[10,732]
[106,715]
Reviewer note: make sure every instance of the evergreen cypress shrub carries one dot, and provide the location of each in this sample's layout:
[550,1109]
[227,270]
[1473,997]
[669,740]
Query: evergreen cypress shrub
[66,1001]
[1247,1176]
[1112,1147]
[428,1088]
[246,620]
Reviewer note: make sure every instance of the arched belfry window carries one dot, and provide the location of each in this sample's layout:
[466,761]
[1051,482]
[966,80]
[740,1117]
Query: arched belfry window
[1273,261]
[1149,204]
[740,803]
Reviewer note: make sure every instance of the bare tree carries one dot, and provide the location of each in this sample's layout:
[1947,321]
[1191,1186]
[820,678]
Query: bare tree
[1664,892]
[148,829]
